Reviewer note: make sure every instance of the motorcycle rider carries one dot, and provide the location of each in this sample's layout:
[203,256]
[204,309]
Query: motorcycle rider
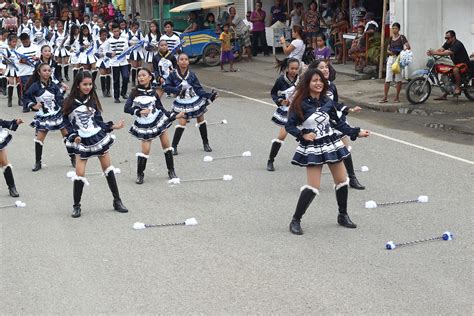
[456,50]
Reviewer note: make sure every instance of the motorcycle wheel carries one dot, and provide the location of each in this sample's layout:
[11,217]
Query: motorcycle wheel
[469,90]
[211,55]
[418,90]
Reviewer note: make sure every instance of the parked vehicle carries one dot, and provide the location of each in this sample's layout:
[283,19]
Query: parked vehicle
[441,75]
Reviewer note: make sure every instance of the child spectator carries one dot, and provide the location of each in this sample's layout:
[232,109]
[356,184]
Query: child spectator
[226,48]
[321,52]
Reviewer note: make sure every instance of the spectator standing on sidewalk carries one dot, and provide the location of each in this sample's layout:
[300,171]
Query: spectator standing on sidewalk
[312,21]
[258,31]
[396,44]
[357,12]
[242,30]
[278,13]
[296,15]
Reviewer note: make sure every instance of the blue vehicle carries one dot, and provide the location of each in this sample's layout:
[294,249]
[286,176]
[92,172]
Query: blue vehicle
[205,44]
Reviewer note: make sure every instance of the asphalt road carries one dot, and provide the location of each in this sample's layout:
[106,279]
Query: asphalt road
[240,258]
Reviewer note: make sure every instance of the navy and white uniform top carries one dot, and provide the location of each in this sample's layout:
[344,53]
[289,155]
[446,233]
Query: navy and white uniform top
[56,75]
[191,98]
[163,65]
[283,89]
[3,51]
[151,46]
[39,35]
[101,48]
[95,32]
[86,49]
[59,42]
[319,117]
[118,46]
[134,38]
[85,121]
[24,28]
[153,124]
[5,136]
[49,117]
[10,69]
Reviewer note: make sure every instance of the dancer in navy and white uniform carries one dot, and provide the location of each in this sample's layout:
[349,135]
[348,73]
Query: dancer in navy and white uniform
[11,72]
[151,44]
[103,62]
[46,98]
[5,138]
[191,99]
[39,33]
[151,121]
[342,112]
[281,93]
[56,76]
[72,46]
[90,136]
[58,42]
[85,48]
[164,63]
[136,56]
[309,120]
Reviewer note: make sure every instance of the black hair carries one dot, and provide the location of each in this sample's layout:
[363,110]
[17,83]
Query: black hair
[134,92]
[157,26]
[302,91]
[396,24]
[24,36]
[209,15]
[11,37]
[115,26]
[135,23]
[451,33]
[76,93]
[103,30]
[74,27]
[282,65]
[322,36]
[168,23]
[35,76]
[81,35]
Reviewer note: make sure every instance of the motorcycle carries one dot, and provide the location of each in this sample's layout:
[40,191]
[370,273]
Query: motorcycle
[441,75]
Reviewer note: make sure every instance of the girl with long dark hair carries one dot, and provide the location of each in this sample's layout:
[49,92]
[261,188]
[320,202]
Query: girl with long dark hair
[47,58]
[342,112]
[136,57]
[85,45]
[151,45]
[90,136]
[151,121]
[72,46]
[103,62]
[309,120]
[191,99]
[282,93]
[58,42]
[46,98]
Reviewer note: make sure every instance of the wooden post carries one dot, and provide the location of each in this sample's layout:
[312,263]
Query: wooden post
[382,40]
[160,8]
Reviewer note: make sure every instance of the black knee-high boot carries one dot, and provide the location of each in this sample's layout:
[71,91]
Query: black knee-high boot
[170,163]
[8,174]
[66,72]
[60,67]
[306,197]
[342,192]
[112,182]
[178,132]
[19,93]
[3,85]
[134,76]
[276,145]
[108,80]
[78,186]
[353,182]
[141,166]
[94,76]
[38,155]
[10,95]
[205,141]
[74,73]
[102,86]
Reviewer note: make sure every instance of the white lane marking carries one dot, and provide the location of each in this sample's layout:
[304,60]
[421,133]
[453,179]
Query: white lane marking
[373,133]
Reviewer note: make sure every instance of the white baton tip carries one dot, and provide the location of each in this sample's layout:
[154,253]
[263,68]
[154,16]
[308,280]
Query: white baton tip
[70,174]
[139,225]
[246,154]
[423,199]
[390,245]
[190,221]
[224,121]
[370,204]
[174,181]
[364,168]
[227,177]
[207,159]
[20,204]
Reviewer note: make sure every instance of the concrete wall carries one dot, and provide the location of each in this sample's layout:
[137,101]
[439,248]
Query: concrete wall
[424,23]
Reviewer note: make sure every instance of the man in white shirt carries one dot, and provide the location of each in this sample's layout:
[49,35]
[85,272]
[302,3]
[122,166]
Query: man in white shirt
[116,46]
[25,67]
[171,38]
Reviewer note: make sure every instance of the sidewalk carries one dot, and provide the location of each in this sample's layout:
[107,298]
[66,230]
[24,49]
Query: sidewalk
[353,90]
